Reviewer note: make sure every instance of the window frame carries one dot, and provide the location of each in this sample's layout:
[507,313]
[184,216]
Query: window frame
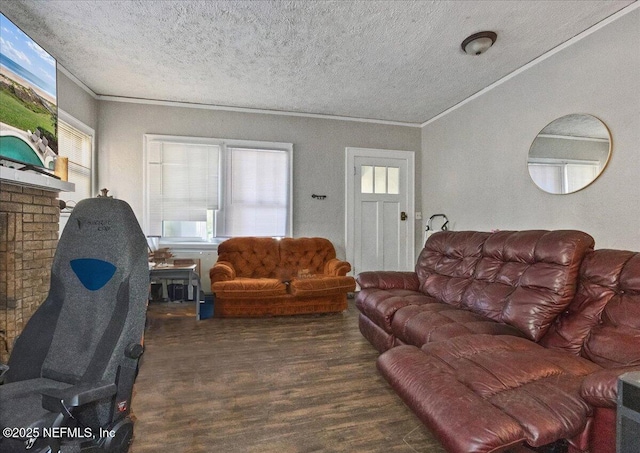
[83,128]
[223,179]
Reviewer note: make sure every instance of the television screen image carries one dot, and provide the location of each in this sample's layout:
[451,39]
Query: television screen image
[28,99]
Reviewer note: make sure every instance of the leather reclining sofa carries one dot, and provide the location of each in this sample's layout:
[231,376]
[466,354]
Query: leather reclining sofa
[258,276]
[508,339]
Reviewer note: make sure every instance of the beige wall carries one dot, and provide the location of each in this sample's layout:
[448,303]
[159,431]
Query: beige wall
[318,162]
[474,158]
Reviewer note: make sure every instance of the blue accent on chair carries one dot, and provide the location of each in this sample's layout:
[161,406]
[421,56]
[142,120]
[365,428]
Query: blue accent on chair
[92,273]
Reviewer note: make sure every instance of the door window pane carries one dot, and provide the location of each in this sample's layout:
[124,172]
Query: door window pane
[366,180]
[380,176]
[393,180]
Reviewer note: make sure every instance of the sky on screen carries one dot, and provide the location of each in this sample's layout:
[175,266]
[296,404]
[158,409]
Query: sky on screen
[24,52]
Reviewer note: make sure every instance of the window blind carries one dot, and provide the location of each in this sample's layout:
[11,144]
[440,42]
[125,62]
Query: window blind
[76,146]
[258,192]
[182,182]
[200,188]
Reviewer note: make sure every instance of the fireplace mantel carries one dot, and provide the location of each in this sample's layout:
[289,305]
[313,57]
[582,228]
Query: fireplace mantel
[34,180]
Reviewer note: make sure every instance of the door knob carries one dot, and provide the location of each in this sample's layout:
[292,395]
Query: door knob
[403,216]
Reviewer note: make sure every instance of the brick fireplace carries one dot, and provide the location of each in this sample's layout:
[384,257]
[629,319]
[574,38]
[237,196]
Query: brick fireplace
[29,222]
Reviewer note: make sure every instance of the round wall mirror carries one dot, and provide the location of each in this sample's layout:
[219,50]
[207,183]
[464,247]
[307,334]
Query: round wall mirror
[569,153]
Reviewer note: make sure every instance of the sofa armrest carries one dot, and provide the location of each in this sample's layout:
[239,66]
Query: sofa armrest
[222,271]
[389,280]
[600,389]
[336,267]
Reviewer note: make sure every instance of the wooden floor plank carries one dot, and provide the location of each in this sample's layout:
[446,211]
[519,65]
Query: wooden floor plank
[298,384]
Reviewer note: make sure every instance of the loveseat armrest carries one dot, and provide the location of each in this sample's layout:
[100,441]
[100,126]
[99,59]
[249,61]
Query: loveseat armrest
[389,280]
[336,267]
[222,271]
[600,389]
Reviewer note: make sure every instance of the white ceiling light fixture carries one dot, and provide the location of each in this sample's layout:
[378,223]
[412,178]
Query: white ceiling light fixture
[479,43]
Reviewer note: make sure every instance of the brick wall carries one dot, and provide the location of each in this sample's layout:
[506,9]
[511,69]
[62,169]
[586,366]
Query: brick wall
[29,222]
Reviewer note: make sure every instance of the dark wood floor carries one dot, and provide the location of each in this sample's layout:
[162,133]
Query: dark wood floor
[288,385]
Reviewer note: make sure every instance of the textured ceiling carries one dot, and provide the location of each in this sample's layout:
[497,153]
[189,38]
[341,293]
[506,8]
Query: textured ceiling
[385,60]
[577,125]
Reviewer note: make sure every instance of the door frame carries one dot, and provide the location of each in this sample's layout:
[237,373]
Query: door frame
[351,153]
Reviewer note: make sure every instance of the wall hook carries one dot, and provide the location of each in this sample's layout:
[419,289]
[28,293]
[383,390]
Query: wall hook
[318,197]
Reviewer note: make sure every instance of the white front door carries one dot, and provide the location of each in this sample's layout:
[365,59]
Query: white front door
[380,225]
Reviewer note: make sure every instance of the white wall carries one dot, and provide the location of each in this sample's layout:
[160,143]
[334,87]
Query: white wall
[318,159]
[474,158]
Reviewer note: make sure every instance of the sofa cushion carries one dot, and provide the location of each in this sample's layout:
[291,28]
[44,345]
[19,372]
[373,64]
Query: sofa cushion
[308,254]
[536,273]
[521,278]
[484,392]
[600,389]
[243,288]
[615,341]
[252,257]
[602,321]
[380,305]
[321,285]
[421,324]
[446,265]
[462,421]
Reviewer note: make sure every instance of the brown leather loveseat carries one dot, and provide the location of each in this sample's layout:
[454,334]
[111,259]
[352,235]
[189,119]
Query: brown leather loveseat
[509,338]
[256,276]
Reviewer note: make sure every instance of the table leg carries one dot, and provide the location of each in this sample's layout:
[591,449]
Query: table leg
[197,297]
[165,290]
[189,289]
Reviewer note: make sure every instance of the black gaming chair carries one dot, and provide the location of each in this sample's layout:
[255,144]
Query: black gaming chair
[71,371]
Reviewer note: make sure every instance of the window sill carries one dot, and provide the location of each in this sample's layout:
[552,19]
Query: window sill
[180,245]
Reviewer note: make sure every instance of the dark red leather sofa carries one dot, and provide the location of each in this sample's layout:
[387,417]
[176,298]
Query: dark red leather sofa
[509,338]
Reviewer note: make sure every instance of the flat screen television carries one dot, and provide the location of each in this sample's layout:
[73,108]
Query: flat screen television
[28,99]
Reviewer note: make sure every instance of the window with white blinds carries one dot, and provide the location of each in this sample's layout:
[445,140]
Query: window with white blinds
[198,189]
[257,201]
[563,176]
[78,147]
[182,180]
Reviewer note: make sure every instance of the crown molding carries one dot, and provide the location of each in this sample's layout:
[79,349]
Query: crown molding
[77,81]
[194,105]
